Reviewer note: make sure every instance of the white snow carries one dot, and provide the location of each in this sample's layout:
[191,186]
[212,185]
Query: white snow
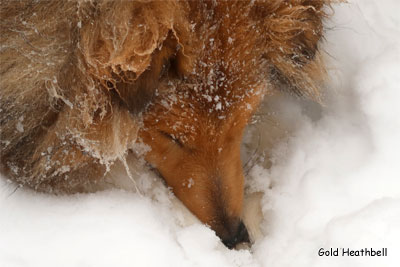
[334,182]
[20,127]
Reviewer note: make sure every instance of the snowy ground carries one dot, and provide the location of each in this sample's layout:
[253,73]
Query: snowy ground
[335,182]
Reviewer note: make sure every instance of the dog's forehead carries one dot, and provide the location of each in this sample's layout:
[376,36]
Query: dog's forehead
[194,113]
[218,95]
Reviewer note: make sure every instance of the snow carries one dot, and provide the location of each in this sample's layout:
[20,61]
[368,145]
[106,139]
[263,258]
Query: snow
[334,182]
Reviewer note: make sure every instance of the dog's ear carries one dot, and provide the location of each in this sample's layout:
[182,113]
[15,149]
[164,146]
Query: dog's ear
[137,93]
[292,31]
[129,45]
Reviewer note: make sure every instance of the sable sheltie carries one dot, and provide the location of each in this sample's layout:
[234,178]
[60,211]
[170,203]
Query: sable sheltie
[82,82]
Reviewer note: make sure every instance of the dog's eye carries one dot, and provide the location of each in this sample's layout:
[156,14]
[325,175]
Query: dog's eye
[173,138]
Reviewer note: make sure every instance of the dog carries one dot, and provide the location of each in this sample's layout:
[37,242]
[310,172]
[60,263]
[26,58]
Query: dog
[84,82]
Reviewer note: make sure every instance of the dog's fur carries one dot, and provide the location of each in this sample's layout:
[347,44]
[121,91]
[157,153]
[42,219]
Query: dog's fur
[83,81]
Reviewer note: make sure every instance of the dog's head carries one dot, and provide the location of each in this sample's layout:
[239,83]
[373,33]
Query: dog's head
[195,138]
[196,72]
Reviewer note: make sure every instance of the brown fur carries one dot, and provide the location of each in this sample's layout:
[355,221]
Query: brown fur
[82,81]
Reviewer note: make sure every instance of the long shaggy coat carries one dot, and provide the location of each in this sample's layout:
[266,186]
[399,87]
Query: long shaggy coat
[82,81]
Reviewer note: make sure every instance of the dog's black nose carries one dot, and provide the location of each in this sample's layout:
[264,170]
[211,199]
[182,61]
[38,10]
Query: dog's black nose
[240,236]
